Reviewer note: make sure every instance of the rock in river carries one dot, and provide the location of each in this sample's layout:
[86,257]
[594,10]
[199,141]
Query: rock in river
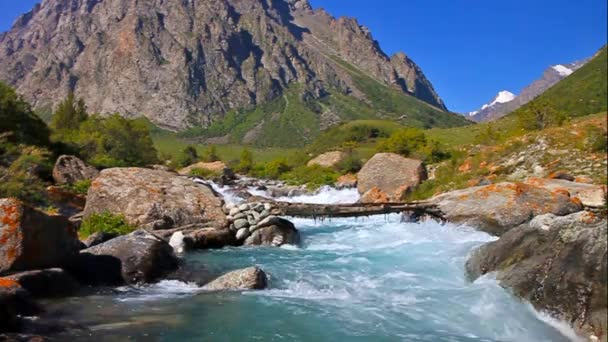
[557,263]
[139,257]
[154,199]
[499,207]
[251,278]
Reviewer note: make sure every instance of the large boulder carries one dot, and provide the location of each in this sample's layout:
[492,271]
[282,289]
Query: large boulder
[14,302]
[391,175]
[139,257]
[496,208]
[328,159]
[31,239]
[71,169]
[272,231]
[47,283]
[590,195]
[154,199]
[557,263]
[210,238]
[251,278]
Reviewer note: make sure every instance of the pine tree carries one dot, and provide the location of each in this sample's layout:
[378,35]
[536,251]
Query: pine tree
[69,114]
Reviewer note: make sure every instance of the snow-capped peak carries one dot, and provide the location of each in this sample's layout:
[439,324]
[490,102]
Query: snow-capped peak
[562,70]
[502,97]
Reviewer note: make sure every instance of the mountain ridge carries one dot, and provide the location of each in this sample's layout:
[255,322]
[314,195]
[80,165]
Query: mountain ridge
[551,76]
[189,64]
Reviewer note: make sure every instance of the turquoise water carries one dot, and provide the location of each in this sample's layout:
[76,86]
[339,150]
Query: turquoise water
[351,280]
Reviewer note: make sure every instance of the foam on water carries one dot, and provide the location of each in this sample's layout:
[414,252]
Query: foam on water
[364,279]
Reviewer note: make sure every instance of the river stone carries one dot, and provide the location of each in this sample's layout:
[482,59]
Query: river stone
[154,199]
[392,175]
[275,232]
[234,211]
[139,257]
[242,234]
[98,238]
[499,207]
[177,242]
[31,239]
[211,238]
[557,263]
[71,169]
[328,159]
[241,223]
[47,283]
[14,301]
[251,278]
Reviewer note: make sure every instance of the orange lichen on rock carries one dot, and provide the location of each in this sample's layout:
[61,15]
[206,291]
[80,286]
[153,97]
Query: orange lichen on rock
[466,166]
[8,283]
[375,195]
[576,201]
[588,217]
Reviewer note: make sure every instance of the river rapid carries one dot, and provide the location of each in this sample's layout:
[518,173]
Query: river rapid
[371,279]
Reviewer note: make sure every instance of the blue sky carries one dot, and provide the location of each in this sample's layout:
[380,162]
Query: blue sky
[469,49]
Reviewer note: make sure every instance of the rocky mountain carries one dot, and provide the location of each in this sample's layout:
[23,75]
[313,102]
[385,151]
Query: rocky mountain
[189,63]
[506,102]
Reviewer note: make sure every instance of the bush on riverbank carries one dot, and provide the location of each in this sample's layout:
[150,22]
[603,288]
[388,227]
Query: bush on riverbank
[105,223]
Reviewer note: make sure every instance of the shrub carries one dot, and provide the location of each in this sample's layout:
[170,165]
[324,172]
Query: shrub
[113,141]
[272,170]
[245,164]
[69,114]
[187,156]
[596,139]
[81,187]
[210,154]
[106,223]
[204,173]
[412,142]
[17,117]
[313,176]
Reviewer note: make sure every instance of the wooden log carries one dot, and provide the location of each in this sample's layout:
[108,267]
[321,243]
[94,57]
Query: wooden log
[418,209]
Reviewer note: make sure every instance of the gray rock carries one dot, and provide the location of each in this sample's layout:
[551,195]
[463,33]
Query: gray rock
[71,169]
[244,207]
[139,257]
[557,263]
[251,278]
[14,302]
[242,234]
[47,283]
[98,238]
[499,207]
[234,211]
[153,199]
[207,238]
[275,232]
[241,223]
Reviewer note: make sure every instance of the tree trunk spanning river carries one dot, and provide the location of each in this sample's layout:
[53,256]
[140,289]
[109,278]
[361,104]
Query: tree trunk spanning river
[365,279]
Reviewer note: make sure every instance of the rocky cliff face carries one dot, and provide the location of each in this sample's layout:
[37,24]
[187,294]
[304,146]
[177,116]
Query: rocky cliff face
[186,63]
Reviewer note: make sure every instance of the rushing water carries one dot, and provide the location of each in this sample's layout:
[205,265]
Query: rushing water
[373,279]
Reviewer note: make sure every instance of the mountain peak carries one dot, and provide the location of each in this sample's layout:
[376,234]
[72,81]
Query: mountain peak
[562,70]
[185,64]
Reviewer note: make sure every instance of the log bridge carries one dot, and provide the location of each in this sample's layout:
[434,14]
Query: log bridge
[416,210]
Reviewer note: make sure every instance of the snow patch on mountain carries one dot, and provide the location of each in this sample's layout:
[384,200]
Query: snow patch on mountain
[562,70]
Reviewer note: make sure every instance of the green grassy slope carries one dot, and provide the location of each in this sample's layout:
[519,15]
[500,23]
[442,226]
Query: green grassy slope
[583,93]
[294,120]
